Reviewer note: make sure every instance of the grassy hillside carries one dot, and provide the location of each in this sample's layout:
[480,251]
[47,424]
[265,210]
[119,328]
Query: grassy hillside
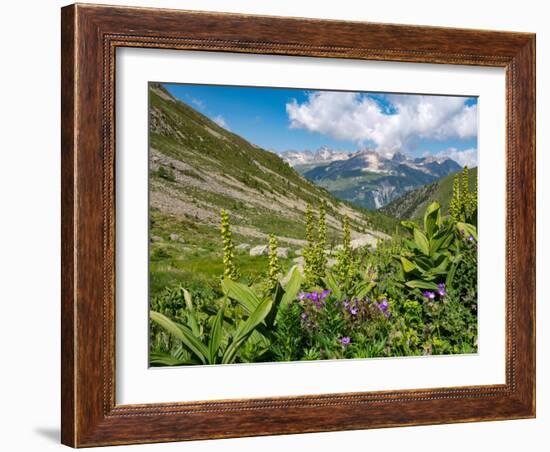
[413,204]
[197,168]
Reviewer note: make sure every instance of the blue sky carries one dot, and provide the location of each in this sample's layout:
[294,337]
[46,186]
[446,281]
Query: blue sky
[280,119]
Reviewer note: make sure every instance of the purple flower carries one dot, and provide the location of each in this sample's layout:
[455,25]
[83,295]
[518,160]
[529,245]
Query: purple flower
[428,294]
[471,238]
[383,307]
[345,303]
[345,341]
[325,293]
[304,316]
[353,311]
[441,290]
[301,296]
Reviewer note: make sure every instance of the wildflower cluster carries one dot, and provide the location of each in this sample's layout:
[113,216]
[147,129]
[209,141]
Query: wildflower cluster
[363,309]
[430,295]
[317,298]
[312,303]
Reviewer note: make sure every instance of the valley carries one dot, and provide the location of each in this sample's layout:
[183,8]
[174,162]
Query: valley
[197,168]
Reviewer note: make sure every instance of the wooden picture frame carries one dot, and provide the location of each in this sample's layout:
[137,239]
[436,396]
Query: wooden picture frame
[90,36]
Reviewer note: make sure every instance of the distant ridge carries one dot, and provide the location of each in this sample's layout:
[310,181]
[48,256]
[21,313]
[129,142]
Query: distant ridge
[371,180]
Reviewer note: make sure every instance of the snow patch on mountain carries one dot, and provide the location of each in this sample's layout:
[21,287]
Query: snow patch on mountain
[321,156]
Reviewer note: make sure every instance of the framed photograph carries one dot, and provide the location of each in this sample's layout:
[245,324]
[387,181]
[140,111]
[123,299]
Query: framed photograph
[281,225]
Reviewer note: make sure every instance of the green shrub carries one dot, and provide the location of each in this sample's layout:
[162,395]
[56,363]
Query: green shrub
[166,173]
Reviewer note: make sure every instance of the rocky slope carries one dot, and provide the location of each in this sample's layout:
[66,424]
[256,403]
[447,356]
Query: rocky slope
[197,168]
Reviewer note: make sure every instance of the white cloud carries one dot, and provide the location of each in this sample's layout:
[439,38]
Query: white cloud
[221,122]
[467,157]
[360,118]
[198,103]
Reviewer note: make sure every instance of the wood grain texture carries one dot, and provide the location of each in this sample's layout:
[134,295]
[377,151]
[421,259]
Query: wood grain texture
[90,36]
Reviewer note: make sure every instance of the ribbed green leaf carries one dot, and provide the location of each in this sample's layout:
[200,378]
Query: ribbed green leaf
[292,287]
[242,294]
[410,225]
[164,359]
[277,296]
[408,266]
[332,284]
[191,318]
[364,289]
[216,335]
[419,284]
[451,274]
[421,241]
[432,218]
[257,317]
[441,240]
[246,328]
[410,245]
[182,333]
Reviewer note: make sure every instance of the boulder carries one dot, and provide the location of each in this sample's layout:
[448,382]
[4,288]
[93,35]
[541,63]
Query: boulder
[282,252]
[365,240]
[260,250]
[243,247]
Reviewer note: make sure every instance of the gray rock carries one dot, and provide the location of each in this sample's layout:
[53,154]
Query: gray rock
[299,261]
[282,252]
[260,250]
[243,247]
[365,240]
[175,237]
[299,252]
[155,238]
[331,262]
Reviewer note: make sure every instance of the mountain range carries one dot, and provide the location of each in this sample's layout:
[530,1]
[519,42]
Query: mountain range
[308,159]
[367,178]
